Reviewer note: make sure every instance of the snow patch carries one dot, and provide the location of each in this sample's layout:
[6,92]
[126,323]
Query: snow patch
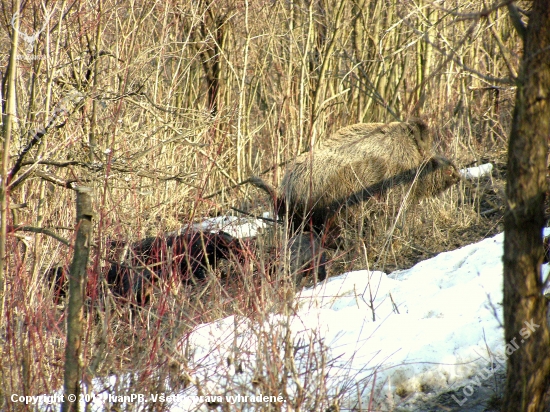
[472,173]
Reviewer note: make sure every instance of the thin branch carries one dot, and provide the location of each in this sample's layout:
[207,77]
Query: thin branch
[266,219]
[218,192]
[74,97]
[516,20]
[97,167]
[41,230]
[52,178]
[65,163]
[478,14]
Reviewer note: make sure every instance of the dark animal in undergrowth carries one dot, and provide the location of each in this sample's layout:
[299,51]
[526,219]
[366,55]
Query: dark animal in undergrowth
[360,166]
[307,258]
[123,282]
[134,284]
[184,257]
[58,278]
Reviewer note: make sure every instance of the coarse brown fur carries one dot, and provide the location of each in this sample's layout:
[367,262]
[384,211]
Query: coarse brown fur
[389,163]
[348,138]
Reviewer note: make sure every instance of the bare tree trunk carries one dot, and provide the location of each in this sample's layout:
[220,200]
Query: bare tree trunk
[528,376]
[77,277]
[7,123]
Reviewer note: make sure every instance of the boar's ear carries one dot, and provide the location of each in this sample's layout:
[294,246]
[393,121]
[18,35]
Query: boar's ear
[418,123]
[419,130]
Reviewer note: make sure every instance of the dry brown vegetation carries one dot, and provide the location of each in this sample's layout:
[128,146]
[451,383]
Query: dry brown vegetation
[165,108]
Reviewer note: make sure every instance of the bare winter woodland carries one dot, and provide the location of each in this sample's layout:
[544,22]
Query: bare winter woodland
[164,109]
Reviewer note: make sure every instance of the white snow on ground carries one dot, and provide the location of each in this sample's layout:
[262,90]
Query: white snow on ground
[235,226]
[428,328]
[472,173]
[433,328]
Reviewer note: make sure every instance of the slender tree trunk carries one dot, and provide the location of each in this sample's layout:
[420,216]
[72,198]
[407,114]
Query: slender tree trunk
[525,324]
[7,123]
[77,277]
